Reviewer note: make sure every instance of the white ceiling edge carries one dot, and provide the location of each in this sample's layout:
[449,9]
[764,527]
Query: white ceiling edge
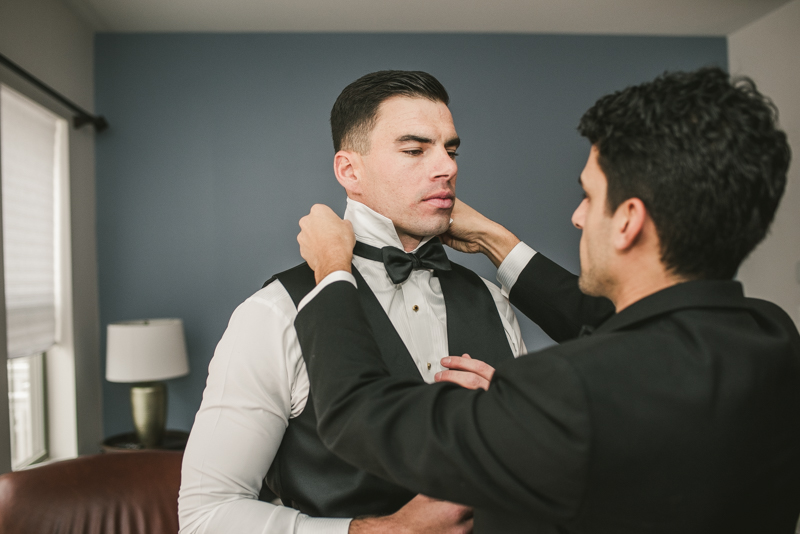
[592,17]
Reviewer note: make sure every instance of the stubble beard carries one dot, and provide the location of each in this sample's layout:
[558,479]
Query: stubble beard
[441,227]
[594,283]
[431,228]
[587,285]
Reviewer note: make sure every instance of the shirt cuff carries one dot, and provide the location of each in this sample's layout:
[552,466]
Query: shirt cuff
[512,266]
[336,276]
[322,525]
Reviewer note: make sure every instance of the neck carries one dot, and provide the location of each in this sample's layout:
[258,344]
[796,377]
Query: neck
[410,242]
[376,228]
[636,287]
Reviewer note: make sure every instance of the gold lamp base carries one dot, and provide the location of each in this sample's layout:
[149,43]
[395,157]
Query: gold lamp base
[149,404]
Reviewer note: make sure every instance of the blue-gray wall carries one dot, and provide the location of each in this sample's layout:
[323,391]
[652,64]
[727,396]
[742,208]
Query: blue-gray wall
[220,143]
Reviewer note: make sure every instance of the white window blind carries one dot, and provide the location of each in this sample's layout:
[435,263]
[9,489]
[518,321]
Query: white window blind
[30,165]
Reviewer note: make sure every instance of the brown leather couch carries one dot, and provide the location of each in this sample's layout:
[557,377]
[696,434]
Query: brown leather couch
[113,493]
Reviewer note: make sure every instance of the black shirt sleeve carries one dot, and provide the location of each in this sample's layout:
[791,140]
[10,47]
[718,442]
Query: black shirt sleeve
[549,296]
[522,446]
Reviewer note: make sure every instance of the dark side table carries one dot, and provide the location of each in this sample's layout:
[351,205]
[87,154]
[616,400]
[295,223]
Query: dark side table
[174,440]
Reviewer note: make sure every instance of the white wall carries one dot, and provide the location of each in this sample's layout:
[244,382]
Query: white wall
[768,51]
[48,40]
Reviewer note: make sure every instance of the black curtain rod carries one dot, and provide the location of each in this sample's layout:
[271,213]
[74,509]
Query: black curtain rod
[82,117]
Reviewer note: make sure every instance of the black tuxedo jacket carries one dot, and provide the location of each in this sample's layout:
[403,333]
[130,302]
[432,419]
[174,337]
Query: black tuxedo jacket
[680,414]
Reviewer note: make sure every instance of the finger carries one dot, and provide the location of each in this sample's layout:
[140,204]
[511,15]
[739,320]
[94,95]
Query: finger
[462,378]
[478,367]
[462,516]
[320,209]
[454,243]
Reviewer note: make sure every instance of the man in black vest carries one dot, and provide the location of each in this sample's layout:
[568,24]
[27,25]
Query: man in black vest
[395,156]
[678,414]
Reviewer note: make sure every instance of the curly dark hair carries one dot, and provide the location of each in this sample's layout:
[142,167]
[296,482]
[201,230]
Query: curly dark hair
[703,153]
[355,110]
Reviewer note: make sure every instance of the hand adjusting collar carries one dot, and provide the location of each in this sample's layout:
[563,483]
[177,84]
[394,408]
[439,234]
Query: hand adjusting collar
[399,264]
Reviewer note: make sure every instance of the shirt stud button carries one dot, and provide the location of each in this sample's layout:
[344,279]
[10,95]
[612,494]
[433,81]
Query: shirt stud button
[429,366]
[415,308]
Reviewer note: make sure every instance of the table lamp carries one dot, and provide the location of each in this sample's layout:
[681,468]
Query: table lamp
[145,353]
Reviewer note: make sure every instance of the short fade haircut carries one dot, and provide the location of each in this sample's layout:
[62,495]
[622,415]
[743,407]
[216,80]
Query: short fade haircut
[355,111]
[703,153]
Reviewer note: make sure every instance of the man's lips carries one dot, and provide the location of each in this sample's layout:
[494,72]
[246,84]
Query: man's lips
[444,200]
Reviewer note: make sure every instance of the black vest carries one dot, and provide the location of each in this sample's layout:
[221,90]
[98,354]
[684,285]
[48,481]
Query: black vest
[310,478]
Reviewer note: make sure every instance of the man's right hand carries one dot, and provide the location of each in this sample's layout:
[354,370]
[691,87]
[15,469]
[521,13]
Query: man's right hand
[466,372]
[422,515]
[471,232]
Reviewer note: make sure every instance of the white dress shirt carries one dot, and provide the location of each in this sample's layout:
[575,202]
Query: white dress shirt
[257,381]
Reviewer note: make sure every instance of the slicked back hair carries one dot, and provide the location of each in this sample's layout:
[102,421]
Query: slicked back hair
[703,153]
[355,111]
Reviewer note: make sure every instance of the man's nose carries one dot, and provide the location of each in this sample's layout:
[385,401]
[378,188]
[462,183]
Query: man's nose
[446,166]
[578,215]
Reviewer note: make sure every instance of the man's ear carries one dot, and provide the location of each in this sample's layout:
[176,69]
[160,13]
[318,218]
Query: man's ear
[629,223]
[347,168]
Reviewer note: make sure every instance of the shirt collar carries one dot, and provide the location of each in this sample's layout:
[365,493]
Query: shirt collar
[372,228]
[693,294]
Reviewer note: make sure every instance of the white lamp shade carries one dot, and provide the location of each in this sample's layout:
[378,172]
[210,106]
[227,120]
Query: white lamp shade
[146,350]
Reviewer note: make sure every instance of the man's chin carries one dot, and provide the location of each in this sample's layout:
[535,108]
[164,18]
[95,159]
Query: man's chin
[595,286]
[440,228]
[588,286]
[432,226]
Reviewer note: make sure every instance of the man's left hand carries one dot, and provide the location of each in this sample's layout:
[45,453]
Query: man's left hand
[326,241]
[471,232]
[466,372]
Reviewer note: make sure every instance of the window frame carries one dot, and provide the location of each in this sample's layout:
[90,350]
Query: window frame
[60,380]
[36,368]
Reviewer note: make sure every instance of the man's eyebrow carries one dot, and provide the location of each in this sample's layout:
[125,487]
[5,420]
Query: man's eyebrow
[455,142]
[417,138]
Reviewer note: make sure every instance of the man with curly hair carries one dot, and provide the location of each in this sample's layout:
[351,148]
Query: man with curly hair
[678,414]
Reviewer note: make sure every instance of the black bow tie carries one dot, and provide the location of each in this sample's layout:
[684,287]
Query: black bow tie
[399,264]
